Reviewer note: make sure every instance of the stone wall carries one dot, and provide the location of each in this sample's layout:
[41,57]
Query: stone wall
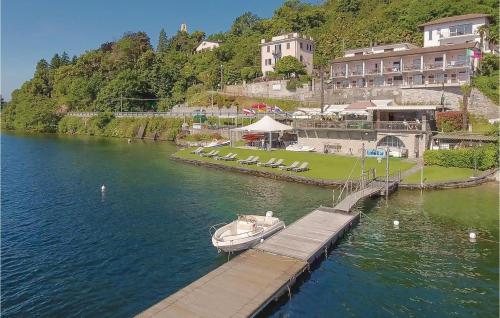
[479,104]
[354,147]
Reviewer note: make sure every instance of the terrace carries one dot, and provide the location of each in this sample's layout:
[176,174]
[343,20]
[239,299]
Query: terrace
[395,126]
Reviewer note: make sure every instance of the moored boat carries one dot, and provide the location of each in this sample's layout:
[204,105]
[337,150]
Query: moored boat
[246,232]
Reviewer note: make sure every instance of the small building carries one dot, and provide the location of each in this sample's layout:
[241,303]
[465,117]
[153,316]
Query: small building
[207,46]
[291,44]
[445,141]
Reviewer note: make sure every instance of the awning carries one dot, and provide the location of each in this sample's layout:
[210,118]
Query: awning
[265,124]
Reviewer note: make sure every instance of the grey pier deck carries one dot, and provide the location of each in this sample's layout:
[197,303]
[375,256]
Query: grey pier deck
[245,285]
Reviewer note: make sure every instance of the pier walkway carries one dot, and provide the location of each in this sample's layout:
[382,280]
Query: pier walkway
[245,285]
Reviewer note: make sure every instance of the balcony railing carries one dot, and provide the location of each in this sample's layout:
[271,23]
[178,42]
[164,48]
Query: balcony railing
[457,64]
[339,74]
[361,125]
[394,69]
[435,66]
[356,73]
[411,67]
[373,71]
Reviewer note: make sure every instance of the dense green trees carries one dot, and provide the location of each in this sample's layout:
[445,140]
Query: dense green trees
[121,74]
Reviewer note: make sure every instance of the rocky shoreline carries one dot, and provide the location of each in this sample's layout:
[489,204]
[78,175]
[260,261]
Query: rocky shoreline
[487,176]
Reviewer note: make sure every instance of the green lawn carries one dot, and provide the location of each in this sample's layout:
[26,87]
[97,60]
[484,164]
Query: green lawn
[440,174]
[329,167]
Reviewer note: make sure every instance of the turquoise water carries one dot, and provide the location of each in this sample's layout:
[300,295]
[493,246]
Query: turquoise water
[68,250]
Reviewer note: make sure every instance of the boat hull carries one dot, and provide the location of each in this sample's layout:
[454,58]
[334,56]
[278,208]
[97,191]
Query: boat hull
[247,242]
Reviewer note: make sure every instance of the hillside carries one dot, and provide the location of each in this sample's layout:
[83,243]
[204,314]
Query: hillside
[122,74]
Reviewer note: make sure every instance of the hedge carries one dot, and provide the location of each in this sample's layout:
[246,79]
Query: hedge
[482,158]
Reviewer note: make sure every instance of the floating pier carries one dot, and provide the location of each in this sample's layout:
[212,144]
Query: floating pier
[245,285]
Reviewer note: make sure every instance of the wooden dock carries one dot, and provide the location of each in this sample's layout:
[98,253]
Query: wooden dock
[244,286]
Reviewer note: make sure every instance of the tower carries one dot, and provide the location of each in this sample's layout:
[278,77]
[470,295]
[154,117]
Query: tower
[184,27]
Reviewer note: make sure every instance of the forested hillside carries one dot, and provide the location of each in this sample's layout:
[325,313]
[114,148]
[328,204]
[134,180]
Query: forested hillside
[131,74]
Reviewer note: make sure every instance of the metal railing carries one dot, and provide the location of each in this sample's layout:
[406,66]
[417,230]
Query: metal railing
[362,125]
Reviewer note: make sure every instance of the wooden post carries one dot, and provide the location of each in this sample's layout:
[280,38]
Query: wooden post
[363,165]
[387,173]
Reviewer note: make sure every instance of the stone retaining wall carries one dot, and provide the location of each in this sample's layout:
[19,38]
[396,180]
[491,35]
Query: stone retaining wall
[488,176]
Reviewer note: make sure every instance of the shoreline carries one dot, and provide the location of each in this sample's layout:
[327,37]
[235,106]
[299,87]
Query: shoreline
[488,176]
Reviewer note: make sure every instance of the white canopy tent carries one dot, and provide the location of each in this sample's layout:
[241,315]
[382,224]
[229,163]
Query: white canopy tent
[265,125]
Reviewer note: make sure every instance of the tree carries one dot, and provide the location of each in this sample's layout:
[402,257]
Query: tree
[245,23]
[162,42]
[55,62]
[289,65]
[65,58]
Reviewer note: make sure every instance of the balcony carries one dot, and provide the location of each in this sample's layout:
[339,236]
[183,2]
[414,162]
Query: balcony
[394,69]
[373,71]
[457,64]
[435,66]
[361,125]
[412,68]
[338,74]
[356,73]
[276,52]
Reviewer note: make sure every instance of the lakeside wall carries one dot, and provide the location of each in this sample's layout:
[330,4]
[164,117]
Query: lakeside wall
[487,176]
[479,103]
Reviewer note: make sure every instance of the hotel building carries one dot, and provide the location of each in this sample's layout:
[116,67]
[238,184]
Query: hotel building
[447,57]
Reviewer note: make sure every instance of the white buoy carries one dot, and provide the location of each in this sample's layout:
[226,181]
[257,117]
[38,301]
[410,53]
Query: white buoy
[103,188]
[396,223]
[261,240]
[472,235]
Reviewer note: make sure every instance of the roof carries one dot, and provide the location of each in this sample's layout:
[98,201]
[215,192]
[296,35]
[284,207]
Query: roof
[404,107]
[360,105]
[420,50]
[456,18]
[265,124]
[465,137]
[381,46]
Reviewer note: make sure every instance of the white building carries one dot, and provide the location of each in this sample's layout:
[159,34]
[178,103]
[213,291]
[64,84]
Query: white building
[207,46]
[291,44]
[447,58]
[455,30]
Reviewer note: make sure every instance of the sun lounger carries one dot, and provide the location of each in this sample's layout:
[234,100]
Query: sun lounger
[247,159]
[207,154]
[252,162]
[197,151]
[276,164]
[223,157]
[295,164]
[303,167]
[213,154]
[230,158]
[265,164]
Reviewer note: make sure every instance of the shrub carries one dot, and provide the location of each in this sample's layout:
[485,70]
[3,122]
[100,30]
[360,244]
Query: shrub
[449,121]
[292,84]
[483,158]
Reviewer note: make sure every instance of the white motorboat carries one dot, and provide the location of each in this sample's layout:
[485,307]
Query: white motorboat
[246,232]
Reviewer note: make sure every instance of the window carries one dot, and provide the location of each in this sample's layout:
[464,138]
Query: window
[268,49]
[358,53]
[277,48]
[288,46]
[265,62]
[438,61]
[360,82]
[462,76]
[416,63]
[430,35]
[359,69]
[461,29]
[418,79]
[391,141]
[300,45]
[389,50]
[440,78]
[379,81]
[301,58]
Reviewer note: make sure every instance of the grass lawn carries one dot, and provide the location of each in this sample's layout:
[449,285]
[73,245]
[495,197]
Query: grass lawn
[439,174]
[329,167]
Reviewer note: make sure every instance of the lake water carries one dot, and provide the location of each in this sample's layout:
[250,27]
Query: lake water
[69,251]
